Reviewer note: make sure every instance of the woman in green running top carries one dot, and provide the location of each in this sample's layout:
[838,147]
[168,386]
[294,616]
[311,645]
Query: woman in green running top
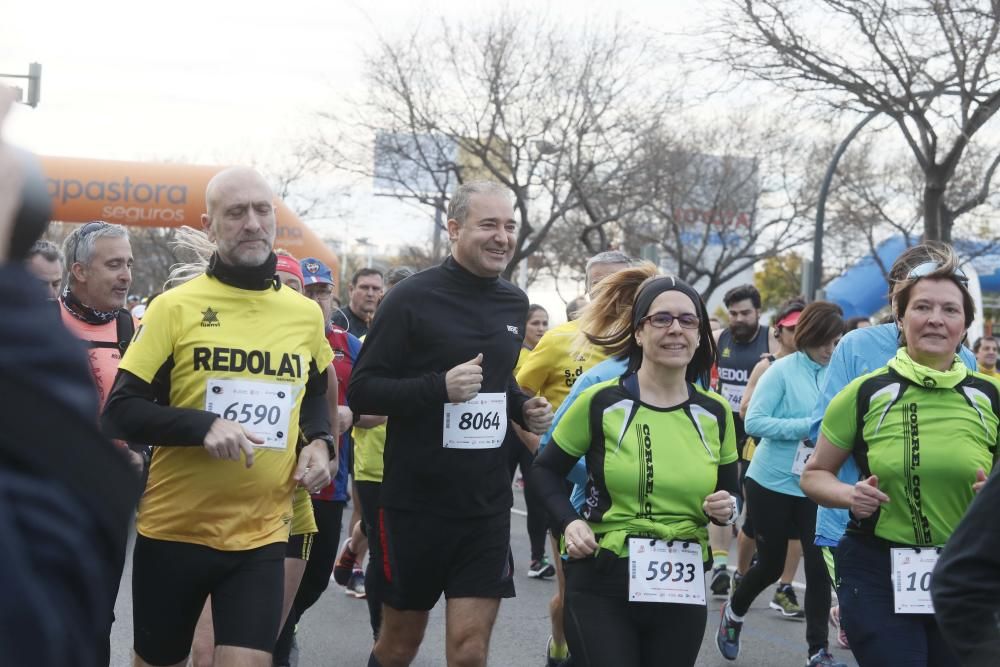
[661,462]
[923,431]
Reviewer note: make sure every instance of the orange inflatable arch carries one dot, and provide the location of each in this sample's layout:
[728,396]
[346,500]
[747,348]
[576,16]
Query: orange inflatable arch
[155,195]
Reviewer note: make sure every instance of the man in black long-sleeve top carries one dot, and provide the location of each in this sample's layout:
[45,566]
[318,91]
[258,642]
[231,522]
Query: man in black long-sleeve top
[438,361]
[966,582]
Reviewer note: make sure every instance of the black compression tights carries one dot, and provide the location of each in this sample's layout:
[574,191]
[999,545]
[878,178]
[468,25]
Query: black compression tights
[604,628]
[773,513]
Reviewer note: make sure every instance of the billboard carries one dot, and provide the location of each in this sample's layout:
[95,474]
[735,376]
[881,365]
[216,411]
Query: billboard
[155,195]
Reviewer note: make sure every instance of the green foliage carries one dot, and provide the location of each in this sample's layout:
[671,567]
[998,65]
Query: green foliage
[779,279]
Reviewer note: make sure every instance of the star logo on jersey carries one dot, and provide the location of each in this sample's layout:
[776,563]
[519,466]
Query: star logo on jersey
[210,318]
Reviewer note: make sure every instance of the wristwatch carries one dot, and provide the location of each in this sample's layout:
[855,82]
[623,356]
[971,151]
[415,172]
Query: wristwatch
[331,443]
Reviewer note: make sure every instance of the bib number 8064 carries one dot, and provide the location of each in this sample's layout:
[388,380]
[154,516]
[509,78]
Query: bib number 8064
[681,571]
[479,420]
[246,413]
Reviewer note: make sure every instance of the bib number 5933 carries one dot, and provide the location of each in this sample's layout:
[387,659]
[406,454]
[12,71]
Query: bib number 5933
[662,571]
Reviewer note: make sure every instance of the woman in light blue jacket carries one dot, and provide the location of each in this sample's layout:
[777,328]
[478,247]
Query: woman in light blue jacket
[779,417]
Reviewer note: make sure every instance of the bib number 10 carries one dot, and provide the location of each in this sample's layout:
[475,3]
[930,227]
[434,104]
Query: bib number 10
[479,420]
[249,413]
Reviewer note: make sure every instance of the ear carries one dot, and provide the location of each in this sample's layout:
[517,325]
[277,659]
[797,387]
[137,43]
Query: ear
[453,228]
[206,224]
[79,272]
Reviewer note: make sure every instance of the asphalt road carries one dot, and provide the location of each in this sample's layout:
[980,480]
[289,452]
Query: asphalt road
[336,632]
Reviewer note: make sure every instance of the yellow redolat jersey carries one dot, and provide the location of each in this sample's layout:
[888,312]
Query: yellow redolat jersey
[554,365]
[245,355]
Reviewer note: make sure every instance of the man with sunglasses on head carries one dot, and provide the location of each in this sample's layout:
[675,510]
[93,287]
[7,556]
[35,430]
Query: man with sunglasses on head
[98,276]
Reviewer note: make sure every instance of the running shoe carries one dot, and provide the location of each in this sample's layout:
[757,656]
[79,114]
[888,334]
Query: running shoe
[344,566]
[556,662]
[786,603]
[824,658]
[540,569]
[356,585]
[720,581]
[728,636]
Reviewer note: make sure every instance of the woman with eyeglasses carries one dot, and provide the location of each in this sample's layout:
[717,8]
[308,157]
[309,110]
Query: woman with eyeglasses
[779,416]
[923,432]
[661,462]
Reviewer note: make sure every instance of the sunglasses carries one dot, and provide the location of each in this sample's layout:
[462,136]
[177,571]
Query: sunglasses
[84,231]
[927,268]
[666,320]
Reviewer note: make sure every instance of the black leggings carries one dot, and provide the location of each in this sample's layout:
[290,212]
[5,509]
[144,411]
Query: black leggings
[319,567]
[519,455]
[776,516]
[604,628]
[368,494]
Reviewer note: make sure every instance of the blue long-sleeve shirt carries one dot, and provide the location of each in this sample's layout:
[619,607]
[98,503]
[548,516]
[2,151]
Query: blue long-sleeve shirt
[779,417]
[860,351]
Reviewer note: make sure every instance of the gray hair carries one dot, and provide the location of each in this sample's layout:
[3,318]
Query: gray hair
[606,257]
[47,249]
[79,245]
[458,206]
[196,243]
[397,275]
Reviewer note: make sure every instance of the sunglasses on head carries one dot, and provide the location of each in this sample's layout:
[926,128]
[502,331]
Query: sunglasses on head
[84,231]
[927,268]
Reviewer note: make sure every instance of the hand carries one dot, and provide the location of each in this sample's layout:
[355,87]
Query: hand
[980,481]
[719,506]
[866,498]
[313,469]
[465,380]
[345,419]
[226,439]
[580,540]
[537,415]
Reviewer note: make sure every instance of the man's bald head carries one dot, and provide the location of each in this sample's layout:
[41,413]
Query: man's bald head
[240,216]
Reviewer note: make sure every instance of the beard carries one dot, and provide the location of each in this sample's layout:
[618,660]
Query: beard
[742,331]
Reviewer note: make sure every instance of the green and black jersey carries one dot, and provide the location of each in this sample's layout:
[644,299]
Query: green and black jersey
[924,433]
[650,468]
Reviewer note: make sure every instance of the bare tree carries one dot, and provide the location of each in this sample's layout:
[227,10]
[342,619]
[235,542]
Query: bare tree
[930,66]
[541,109]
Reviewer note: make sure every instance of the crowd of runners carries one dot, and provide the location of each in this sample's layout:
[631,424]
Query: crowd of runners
[665,459]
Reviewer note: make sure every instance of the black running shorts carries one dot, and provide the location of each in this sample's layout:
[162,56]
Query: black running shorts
[299,546]
[419,556]
[171,580]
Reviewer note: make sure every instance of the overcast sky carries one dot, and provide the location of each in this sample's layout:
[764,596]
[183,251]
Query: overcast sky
[216,82]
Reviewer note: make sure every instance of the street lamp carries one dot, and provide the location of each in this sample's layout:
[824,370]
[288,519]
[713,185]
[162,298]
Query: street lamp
[34,77]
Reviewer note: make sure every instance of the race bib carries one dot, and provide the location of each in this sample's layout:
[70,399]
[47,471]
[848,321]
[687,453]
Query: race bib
[477,424]
[264,408]
[733,394]
[802,454]
[911,579]
[665,571]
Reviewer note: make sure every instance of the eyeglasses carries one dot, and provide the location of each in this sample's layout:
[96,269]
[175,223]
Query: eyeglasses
[666,320]
[927,268]
[87,229]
